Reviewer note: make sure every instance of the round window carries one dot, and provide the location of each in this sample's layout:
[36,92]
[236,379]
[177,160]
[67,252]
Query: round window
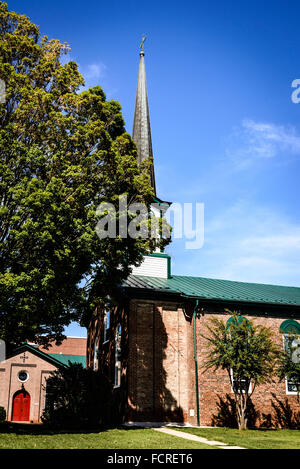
[23,376]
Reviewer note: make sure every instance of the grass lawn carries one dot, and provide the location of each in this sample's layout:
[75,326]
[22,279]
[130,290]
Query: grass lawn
[253,439]
[17,436]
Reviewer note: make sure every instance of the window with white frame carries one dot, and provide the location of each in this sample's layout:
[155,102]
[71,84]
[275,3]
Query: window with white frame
[291,342]
[96,354]
[118,336]
[240,386]
[244,384]
[106,325]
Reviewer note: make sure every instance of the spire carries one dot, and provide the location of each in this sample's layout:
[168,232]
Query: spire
[141,125]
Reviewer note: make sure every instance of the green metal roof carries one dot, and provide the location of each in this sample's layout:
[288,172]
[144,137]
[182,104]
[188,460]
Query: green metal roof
[215,289]
[56,359]
[37,352]
[65,358]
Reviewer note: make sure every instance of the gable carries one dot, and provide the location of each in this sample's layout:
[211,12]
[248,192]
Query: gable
[33,351]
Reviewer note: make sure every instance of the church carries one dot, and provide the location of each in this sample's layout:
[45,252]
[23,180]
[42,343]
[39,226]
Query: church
[150,342]
[24,374]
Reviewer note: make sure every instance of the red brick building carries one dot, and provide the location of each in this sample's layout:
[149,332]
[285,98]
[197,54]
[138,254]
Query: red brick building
[150,342]
[147,348]
[24,374]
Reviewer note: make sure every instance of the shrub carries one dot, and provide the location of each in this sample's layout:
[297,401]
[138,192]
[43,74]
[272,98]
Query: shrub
[78,397]
[2,414]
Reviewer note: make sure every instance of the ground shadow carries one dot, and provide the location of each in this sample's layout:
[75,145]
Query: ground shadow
[226,413]
[284,415]
[43,429]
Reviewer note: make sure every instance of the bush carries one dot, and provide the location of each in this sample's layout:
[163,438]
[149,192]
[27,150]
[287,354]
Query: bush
[2,414]
[78,397]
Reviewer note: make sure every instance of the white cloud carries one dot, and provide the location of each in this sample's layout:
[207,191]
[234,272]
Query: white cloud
[255,244]
[247,243]
[256,140]
[95,70]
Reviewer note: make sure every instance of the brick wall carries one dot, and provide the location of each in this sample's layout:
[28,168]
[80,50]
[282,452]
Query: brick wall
[158,367]
[69,346]
[160,378]
[215,390]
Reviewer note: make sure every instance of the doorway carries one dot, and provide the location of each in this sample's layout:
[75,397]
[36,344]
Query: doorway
[21,406]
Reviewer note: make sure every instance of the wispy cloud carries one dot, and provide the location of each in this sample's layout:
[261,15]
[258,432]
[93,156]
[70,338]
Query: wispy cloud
[245,239]
[247,243]
[253,243]
[96,74]
[256,140]
[91,72]
[94,70]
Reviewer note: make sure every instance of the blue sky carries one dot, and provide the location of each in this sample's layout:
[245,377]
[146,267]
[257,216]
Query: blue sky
[224,128]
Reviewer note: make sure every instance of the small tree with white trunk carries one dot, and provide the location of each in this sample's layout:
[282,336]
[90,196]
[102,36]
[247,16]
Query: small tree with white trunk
[248,354]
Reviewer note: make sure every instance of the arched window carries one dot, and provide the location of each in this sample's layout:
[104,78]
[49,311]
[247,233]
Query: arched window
[118,355]
[106,325]
[244,384]
[291,341]
[96,354]
[235,319]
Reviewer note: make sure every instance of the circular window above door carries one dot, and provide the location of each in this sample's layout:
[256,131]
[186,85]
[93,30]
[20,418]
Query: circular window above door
[23,376]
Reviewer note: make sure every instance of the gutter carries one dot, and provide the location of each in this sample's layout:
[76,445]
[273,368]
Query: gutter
[229,301]
[196,362]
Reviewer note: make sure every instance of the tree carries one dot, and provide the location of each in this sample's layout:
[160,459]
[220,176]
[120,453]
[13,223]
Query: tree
[78,397]
[246,352]
[289,363]
[62,153]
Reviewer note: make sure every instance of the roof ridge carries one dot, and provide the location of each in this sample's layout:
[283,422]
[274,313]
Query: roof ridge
[219,279]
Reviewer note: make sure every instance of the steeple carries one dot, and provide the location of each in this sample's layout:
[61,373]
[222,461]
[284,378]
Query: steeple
[141,133]
[156,264]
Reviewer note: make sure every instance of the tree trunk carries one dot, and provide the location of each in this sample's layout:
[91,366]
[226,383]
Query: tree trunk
[241,411]
[242,421]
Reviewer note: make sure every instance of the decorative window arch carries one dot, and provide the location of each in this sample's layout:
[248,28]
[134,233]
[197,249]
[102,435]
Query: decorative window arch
[291,335]
[290,327]
[239,320]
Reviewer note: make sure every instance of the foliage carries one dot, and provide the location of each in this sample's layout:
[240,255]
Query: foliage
[246,352]
[289,363]
[78,397]
[2,414]
[62,152]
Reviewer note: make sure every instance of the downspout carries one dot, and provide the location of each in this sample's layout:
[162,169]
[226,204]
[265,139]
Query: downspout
[196,363]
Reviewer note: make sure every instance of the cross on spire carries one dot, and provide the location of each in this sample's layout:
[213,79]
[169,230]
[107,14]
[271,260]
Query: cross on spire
[142,43]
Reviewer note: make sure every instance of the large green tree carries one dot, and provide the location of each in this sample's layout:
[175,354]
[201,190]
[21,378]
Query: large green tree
[62,152]
[246,352]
